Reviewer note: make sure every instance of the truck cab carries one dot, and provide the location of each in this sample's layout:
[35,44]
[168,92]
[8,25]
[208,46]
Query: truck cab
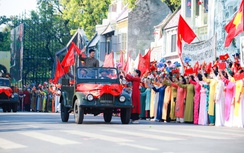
[8,100]
[95,91]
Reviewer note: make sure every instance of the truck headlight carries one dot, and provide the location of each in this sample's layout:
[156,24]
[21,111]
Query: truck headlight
[89,97]
[122,99]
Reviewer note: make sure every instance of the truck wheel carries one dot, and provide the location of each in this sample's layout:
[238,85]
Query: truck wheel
[78,113]
[125,115]
[64,112]
[4,108]
[8,107]
[14,107]
[107,116]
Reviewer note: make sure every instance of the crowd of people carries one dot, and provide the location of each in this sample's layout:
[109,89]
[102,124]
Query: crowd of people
[207,94]
[41,98]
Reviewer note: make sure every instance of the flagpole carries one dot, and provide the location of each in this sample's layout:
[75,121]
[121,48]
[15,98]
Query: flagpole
[198,39]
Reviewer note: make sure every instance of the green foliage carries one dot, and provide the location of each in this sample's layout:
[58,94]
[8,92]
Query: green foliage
[172,4]
[4,20]
[49,15]
[8,23]
[46,33]
[131,3]
[5,39]
[48,22]
[85,14]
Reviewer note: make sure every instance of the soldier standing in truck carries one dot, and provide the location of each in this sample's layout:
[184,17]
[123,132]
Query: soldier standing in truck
[90,61]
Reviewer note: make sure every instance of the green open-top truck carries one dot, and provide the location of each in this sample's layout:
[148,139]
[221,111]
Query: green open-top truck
[94,91]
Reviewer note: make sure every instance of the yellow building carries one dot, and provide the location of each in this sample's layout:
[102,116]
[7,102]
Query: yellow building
[122,33]
[5,61]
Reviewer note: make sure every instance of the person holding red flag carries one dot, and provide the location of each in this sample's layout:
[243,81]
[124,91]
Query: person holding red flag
[136,80]
[90,61]
[180,100]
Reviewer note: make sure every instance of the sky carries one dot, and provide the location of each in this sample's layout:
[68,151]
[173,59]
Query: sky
[16,7]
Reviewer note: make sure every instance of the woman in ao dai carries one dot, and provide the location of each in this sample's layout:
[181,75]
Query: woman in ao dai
[219,102]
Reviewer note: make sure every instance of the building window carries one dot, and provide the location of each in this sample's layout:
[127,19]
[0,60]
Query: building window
[114,7]
[173,43]
[188,8]
[197,7]
[205,6]
[231,9]
[235,9]
[119,42]
[124,41]
[108,45]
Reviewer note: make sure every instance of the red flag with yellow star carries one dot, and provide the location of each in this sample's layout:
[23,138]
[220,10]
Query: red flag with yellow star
[184,33]
[235,26]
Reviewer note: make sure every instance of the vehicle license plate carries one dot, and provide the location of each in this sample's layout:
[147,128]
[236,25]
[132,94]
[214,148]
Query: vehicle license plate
[106,101]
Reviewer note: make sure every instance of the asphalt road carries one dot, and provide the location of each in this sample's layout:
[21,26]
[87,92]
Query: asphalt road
[25,132]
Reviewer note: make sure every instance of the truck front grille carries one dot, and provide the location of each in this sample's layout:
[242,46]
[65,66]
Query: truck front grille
[107,99]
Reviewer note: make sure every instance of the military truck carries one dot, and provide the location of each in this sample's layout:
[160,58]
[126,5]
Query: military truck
[94,91]
[8,100]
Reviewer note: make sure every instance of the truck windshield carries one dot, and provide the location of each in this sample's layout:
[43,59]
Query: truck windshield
[4,82]
[97,73]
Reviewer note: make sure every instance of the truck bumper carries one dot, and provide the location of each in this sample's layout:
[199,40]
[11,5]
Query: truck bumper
[104,106]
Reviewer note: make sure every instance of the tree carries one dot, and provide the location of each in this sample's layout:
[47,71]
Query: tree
[45,33]
[85,14]
[51,20]
[4,20]
[8,23]
[5,39]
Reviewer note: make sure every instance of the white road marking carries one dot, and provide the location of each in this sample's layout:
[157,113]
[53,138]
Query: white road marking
[139,146]
[98,136]
[217,132]
[187,134]
[150,136]
[239,130]
[6,144]
[49,138]
[33,126]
